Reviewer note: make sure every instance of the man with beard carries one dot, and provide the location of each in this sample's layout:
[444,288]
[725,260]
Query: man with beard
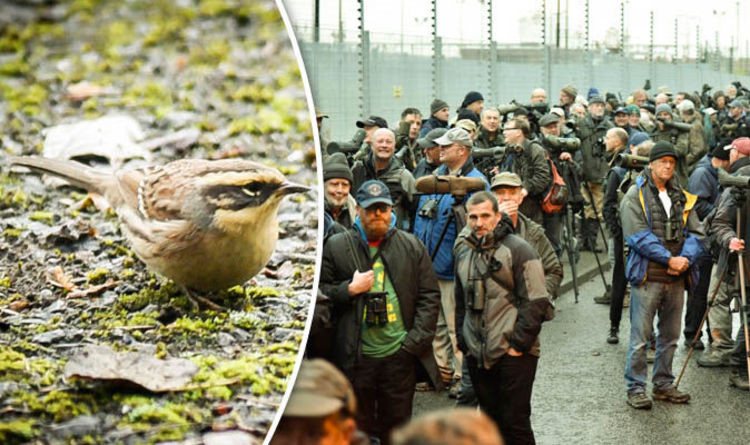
[382,165]
[501,303]
[489,136]
[338,182]
[385,303]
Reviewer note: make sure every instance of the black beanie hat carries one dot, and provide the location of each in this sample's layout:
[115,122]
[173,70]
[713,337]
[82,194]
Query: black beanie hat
[471,97]
[337,167]
[437,105]
[468,114]
[661,149]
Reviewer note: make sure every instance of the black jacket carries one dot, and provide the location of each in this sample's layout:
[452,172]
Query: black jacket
[410,270]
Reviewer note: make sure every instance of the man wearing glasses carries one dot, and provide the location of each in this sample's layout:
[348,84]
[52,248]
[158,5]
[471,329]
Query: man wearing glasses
[527,159]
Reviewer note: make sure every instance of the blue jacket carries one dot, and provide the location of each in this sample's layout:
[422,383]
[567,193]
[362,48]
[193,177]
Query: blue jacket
[431,124]
[704,183]
[428,229]
[645,245]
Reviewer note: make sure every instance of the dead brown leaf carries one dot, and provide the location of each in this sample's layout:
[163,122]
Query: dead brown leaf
[93,290]
[59,279]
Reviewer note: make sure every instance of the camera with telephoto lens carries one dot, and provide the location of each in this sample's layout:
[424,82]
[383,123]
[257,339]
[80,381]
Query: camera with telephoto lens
[631,161]
[429,209]
[569,145]
[376,309]
[496,153]
[350,148]
[671,124]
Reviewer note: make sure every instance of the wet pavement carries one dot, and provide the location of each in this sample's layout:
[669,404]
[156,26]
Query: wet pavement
[579,394]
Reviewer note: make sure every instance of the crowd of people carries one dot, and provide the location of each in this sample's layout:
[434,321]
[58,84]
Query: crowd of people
[444,238]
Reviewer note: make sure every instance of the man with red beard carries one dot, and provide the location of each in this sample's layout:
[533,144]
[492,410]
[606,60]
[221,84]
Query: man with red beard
[385,300]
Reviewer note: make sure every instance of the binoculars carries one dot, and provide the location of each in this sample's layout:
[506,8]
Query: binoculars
[376,309]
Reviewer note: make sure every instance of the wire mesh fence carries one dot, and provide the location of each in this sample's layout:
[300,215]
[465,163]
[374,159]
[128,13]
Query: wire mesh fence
[355,73]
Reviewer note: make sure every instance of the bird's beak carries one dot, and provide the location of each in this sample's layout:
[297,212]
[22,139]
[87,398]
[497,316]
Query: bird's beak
[287,188]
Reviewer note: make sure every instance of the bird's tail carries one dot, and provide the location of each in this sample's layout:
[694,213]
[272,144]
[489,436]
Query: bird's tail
[76,173]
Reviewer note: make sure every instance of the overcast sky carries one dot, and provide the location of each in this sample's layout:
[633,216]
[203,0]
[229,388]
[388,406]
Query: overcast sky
[519,21]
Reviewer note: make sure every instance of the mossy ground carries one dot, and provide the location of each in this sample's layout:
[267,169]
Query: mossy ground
[228,66]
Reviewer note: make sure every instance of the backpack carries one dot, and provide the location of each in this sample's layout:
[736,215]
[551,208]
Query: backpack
[556,195]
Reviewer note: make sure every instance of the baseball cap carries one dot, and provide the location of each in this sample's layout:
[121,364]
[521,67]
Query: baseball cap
[455,135]
[372,121]
[320,390]
[506,179]
[596,99]
[735,104]
[466,124]
[373,192]
[428,141]
[742,145]
[621,110]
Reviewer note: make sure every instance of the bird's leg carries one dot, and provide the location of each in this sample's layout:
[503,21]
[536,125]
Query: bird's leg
[196,301]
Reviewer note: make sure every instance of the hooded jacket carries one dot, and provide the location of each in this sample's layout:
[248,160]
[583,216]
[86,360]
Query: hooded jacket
[514,304]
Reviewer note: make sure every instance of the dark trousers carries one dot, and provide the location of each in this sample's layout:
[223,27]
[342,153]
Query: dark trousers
[384,388]
[504,394]
[619,283]
[553,224]
[698,300]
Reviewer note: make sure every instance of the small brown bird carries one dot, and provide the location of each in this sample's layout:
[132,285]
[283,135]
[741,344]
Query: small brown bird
[207,225]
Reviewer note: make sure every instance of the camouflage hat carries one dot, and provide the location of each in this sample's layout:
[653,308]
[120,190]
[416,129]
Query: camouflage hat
[467,124]
[320,390]
[506,179]
[633,109]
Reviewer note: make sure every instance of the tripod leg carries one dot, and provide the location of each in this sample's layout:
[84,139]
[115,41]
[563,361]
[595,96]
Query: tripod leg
[571,253]
[596,216]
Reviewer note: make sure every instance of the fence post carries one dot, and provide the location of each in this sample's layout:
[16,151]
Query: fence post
[437,51]
[364,55]
[652,66]
[589,77]
[625,78]
[546,65]
[492,92]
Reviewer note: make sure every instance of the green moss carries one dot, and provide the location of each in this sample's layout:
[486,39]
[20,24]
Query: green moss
[211,54]
[61,405]
[5,282]
[45,217]
[253,92]
[16,67]
[98,275]
[13,430]
[28,100]
[165,30]
[213,8]
[149,94]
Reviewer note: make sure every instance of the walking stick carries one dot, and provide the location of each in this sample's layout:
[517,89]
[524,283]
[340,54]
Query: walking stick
[700,328]
[743,306]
